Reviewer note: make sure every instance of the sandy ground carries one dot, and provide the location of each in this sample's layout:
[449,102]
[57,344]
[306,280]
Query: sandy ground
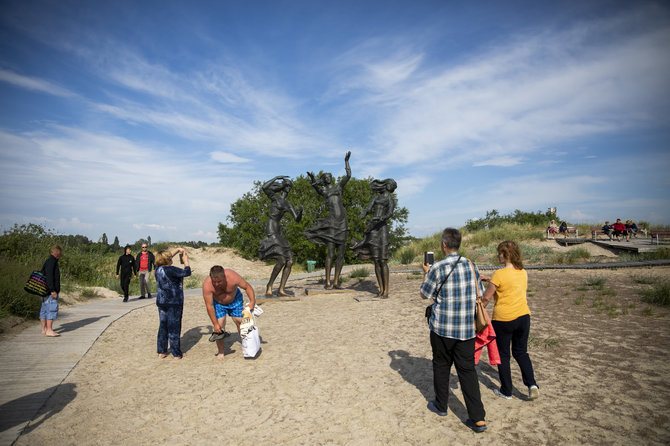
[201,260]
[337,371]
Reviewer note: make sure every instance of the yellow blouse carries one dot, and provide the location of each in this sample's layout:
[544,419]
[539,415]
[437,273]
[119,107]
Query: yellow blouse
[510,297]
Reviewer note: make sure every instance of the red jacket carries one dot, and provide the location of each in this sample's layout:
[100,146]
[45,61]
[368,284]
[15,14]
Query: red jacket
[487,338]
[619,227]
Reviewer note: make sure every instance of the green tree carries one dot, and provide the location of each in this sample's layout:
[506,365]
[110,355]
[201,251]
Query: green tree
[115,245]
[249,214]
[103,240]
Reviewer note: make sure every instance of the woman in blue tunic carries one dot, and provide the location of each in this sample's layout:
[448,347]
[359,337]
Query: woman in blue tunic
[274,245]
[376,241]
[331,230]
[170,300]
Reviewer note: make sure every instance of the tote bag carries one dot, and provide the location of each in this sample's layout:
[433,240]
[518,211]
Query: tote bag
[36,284]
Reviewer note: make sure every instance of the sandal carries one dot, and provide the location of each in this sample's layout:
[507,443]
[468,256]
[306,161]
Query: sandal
[218,336]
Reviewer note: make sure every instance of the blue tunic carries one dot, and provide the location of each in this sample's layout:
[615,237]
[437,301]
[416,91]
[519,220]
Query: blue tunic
[170,283]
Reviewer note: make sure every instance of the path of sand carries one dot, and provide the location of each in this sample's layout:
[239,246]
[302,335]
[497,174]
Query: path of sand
[337,371]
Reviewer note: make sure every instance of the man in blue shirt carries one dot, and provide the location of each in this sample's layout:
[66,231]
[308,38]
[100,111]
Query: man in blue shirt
[450,284]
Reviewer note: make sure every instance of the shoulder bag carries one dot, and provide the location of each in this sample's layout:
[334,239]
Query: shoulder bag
[481,316]
[36,284]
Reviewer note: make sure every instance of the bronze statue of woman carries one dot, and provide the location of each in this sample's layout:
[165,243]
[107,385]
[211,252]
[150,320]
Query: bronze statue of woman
[274,245]
[376,241]
[333,229]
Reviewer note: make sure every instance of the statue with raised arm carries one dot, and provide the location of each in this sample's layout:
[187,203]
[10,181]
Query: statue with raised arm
[274,245]
[331,230]
[376,241]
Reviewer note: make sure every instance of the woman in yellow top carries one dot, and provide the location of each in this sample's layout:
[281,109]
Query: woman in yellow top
[511,318]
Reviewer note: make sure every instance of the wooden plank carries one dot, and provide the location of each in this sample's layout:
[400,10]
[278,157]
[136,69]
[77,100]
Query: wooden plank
[263,300]
[366,299]
[311,291]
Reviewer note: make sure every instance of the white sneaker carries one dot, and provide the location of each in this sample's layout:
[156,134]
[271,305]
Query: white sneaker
[533,392]
[497,392]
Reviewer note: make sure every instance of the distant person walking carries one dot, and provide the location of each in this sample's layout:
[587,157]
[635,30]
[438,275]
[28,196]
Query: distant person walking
[170,301]
[511,318]
[145,261]
[126,265]
[49,309]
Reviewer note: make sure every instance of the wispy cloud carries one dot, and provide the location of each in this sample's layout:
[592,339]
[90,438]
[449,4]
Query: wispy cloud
[118,179]
[228,158]
[34,84]
[518,97]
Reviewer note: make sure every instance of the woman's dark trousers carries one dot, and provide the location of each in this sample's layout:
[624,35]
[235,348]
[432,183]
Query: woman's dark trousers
[169,328]
[516,332]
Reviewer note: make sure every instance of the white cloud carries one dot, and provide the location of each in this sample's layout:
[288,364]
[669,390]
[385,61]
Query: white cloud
[228,158]
[34,84]
[501,161]
[519,97]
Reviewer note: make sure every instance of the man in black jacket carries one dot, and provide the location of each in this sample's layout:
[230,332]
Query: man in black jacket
[49,309]
[144,262]
[126,264]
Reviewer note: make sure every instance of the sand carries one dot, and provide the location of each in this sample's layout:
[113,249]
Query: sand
[333,370]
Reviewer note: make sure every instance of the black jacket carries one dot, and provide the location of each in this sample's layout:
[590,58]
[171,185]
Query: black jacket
[52,273]
[127,265]
[151,261]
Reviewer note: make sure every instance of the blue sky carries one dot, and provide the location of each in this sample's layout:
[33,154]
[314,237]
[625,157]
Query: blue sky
[150,118]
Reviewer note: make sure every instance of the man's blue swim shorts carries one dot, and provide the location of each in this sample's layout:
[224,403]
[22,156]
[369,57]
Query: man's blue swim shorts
[233,309]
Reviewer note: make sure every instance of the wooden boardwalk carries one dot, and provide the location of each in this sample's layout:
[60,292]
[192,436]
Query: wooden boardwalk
[637,245]
[33,365]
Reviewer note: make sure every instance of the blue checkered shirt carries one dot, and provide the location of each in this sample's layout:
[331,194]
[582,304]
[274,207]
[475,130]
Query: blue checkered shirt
[454,307]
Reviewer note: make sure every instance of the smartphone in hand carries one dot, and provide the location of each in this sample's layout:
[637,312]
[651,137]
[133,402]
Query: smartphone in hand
[428,257]
[181,258]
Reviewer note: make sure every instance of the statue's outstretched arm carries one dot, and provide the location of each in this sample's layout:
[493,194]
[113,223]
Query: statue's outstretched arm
[347,169]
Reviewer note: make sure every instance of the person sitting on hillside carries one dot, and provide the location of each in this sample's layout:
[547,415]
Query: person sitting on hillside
[563,229]
[552,228]
[608,230]
[620,230]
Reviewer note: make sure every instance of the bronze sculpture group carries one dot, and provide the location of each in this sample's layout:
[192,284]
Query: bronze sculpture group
[331,230]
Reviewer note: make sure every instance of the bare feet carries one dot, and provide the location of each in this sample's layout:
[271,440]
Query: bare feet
[51,334]
[284,293]
[162,355]
[268,292]
[219,356]
[180,357]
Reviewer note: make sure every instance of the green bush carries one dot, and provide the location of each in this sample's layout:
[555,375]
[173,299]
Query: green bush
[13,299]
[595,282]
[493,219]
[406,255]
[658,295]
[571,257]
[360,272]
